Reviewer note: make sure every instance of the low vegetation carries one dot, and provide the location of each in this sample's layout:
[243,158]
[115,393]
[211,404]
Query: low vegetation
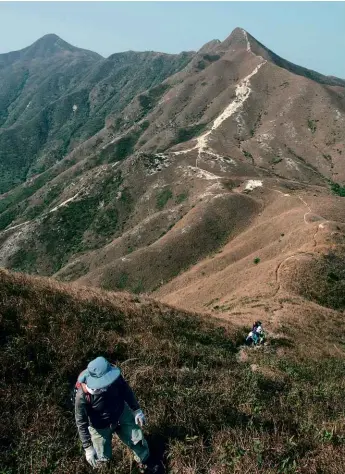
[150,99]
[181,197]
[207,412]
[312,125]
[163,197]
[185,134]
[247,154]
[44,116]
[84,224]
[211,57]
[124,147]
[338,189]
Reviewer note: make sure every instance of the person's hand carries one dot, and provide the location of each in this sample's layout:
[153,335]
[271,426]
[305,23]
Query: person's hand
[90,455]
[139,418]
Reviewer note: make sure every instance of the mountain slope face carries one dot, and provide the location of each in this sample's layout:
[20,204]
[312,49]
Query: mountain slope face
[213,160]
[211,406]
[54,96]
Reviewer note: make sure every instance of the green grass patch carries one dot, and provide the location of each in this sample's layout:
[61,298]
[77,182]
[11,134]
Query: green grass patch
[122,281]
[149,99]
[247,154]
[106,221]
[163,197]
[186,134]
[138,287]
[181,197]
[338,189]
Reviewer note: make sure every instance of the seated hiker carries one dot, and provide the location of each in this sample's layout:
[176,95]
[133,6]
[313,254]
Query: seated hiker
[256,335]
[105,404]
[258,331]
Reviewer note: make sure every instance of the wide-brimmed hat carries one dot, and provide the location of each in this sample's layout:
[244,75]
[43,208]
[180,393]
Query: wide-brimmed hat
[100,373]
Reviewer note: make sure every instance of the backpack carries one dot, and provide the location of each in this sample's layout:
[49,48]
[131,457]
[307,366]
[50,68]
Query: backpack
[75,389]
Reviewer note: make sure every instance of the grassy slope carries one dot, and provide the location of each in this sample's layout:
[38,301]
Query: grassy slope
[208,412]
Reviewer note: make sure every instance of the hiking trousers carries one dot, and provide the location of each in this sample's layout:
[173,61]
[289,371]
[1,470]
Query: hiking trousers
[129,433]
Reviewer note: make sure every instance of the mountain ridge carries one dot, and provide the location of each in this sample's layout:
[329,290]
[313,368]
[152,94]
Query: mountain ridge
[237,36]
[155,163]
[42,48]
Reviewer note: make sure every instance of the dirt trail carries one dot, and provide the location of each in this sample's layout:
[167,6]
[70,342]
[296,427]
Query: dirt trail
[16,226]
[242,93]
[296,255]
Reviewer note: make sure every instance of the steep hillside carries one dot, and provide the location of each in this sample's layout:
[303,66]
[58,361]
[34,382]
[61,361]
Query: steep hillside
[54,96]
[209,161]
[212,407]
[297,233]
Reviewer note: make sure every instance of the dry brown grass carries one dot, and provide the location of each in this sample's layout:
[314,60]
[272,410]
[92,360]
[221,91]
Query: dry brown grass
[208,412]
[286,237]
[202,231]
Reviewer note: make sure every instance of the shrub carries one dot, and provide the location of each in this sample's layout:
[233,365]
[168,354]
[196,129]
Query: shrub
[138,287]
[122,281]
[338,189]
[256,260]
[181,197]
[59,236]
[185,134]
[247,154]
[124,147]
[201,65]
[105,222]
[149,99]
[163,197]
[211,57]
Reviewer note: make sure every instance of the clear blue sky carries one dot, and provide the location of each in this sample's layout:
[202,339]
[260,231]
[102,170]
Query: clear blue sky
[311,34]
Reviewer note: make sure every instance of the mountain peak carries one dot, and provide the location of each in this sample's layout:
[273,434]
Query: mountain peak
[46,47]
[238,37]
[49,37]
[49,44]
[49,41]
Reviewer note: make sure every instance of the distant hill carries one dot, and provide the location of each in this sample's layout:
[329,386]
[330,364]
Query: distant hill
[172,174]
[54,96]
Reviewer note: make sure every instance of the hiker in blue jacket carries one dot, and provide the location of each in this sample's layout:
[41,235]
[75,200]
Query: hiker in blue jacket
[105,404]
[256,335]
